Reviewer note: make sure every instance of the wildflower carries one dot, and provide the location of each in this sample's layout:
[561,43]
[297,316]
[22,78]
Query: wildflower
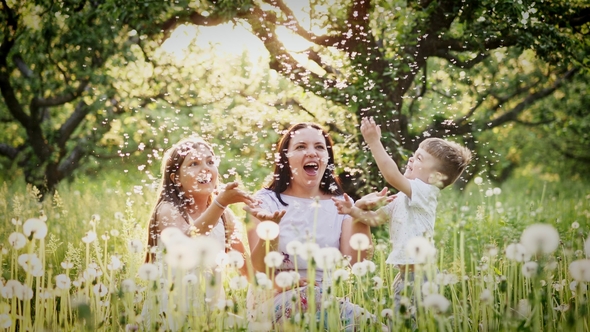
[267,230]
[486,296]
[436,302]
[359,269]
[135,246]
[580,270]
[274,259]
[326,258]
[238,283]
[529,269]
[542,238]
[420,249]
[148,271]
[89,237]
[62,281]
[36,227]
[359,241]
[517,252]
[100,289]
[294,248]
[284,279]
[128,286]
[17,240]
[429,288]
[340,275]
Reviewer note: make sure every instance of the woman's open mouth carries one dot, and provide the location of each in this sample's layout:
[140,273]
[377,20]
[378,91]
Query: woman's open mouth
[311,168]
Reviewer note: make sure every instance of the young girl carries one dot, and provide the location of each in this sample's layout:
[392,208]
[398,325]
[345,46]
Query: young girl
[191,201]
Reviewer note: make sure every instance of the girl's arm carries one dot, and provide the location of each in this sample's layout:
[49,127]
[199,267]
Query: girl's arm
[349,227]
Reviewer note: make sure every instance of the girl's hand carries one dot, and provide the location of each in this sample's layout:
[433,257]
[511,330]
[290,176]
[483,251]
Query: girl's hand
[264,215]
[231,194]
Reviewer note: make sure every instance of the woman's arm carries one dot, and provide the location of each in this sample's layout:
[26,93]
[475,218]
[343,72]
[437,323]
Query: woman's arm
[349,227]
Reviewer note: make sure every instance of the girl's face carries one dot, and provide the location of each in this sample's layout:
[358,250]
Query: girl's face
[197,176]
[308,158]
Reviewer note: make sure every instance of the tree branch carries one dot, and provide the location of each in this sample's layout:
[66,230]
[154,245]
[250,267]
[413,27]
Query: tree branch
[441,53]
[68,127]
[9,151]
[22,66]
[38,102]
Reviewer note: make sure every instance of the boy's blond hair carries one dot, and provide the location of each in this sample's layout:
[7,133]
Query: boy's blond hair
[453,158]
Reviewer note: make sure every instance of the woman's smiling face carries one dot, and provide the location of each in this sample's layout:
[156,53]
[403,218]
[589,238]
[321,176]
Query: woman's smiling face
[308,157]
[198,173]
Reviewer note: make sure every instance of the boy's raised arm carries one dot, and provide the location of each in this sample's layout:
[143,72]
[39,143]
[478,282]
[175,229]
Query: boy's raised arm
[372,135]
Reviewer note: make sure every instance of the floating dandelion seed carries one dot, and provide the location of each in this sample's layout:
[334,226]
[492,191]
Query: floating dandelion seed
[540,238]
[359,241]
[420,249]
[17,240]
[517,252]
[238,283]
[267,230]
[580,270]
[62,281]
[274,259]
[436,302]
[284,279]
[148,271]
[36,227]
[529,269]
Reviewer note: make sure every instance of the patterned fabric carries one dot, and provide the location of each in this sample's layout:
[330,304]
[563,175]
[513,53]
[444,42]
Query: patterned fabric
[411,217]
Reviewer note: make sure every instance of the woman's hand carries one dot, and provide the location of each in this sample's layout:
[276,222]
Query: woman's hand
[264,215]
[231,194]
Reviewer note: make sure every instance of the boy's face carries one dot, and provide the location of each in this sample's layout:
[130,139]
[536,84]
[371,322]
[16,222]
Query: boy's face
[422,165]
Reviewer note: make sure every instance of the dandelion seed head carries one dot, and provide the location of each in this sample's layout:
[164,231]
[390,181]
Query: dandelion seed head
[190,279]
[420,250]
[580,270]
[238,283]
[486,296]
[359,241]
[517,252]
[128,286]
[100,289]
[523,309]
[135,246]
[308,250]
[284,279]
[327,258]
[340,275]
[148,272]
[359,269]
[62,281]
[540,238]
[274,259]
[478,180]
[267,230]
[529,269]
[17,240]
[436,302]
[429,288]
[89,237]
[36,227]
[294,247]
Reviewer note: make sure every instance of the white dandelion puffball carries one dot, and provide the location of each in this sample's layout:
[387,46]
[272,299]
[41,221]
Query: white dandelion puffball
[5,321]
[206,250]
[497,191]
[267,230]
[89,237]
[296,276]
[238,283]
[35,226]
[284,279]
[100,289]
[540,238]
[135,246]
[148,271]
[235,259]
[359,269]
[429,288]
[327,258]
[190,279]
[62,281]
[171,235]
[529,269]
[377,282]
[340,275]
[128,286]
[420,249]
[478,180]
[517,252]
[523,308]
[371,267]
[308,250]
[580,270]
[587,247]
[17,240]
[387,313]
[359,241]
[436,302]
[294,248]
[486,296]
[274,259]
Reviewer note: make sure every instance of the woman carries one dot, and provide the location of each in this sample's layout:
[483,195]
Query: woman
[299,199]
[188,202]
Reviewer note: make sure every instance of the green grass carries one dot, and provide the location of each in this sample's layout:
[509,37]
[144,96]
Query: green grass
[485,292]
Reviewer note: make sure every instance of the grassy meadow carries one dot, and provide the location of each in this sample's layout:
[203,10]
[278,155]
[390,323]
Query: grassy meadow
[513,258]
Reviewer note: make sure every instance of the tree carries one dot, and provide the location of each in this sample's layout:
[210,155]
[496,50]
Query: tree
[423,68]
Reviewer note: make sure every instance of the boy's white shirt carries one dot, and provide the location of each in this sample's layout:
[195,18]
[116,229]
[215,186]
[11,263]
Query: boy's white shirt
[409,218]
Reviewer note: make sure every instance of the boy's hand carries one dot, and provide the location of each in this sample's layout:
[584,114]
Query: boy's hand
[264,215]
[374,200]
[344,206]
[370,130]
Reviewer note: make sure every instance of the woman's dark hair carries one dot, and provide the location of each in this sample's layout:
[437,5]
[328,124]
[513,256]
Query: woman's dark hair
[169,191]
[282,172]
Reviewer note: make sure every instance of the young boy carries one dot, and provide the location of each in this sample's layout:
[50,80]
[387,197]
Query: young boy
[436,164]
